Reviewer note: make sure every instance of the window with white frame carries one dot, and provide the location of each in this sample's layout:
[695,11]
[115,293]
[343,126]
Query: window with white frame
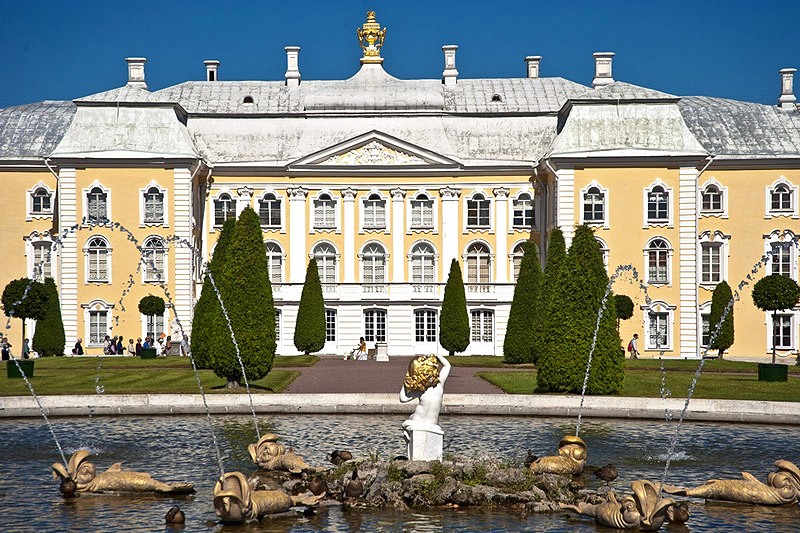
[277,326]
[658,205]
[658,261]
[374,212]
[524,211]
[423,263]
[422,212]
[269,211]
[41,201]
[781,198]
[324,212]
[711,257]
[153,206]
[479,263]
[97,260]
[97,205]
[711,199]
[373,264]
[325,255]
[42,260]
[782,331]
[154,254]
[154,326]
[478,211]
[657,330]
[224,209]
[516,259]
[781,258]
[98,326]
[330,325]
[603,251]
[425,326]
[274,261]
[482,325]
[594,206]
[375,325]
[705,334]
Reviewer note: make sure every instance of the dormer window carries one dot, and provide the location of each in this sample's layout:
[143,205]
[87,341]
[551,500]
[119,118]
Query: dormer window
[247,100]
[497,97]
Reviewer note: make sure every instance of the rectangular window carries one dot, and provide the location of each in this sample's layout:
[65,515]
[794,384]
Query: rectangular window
[482,325]
[478,269]
[277,325]
[154,326]
[421,214]
[657,334]
[711,263]
[478,212]
[42,265]
[782,332]
[98,326]
[425,325]
[374,214]
[98,265]
[523,212]
[375,325]
[324,214]
[330,325]
[705,339]
[782,259]
[154,206]
[269,212]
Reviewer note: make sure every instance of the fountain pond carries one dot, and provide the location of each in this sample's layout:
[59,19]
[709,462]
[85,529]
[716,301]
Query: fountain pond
[180,448]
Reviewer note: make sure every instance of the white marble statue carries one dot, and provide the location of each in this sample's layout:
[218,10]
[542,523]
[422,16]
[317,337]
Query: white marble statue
[425,382]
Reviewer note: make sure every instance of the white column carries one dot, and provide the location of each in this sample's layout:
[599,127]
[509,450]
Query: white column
[501,234]
[349,234]
[687,257]
[184,262]
[244,200]
[297,234]
[450,227]
[398,223]
[67,220]
[565,208]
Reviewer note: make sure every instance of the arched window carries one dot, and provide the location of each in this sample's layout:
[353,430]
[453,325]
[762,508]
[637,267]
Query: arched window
[154,255]
[657,204]
[593,206]
[373,264]
[324,212]
[374,212]
[224,209]
[41,201]
[422,212]
[97,254]
[325,254]
[523,211]
[423,264]
[274,261]
[479,263]
[97,205]
[711,199]
[658,261]
[154,206]
[269,211]
[781,198]
[42,260]
[603,251]
[516,259]
[478,211]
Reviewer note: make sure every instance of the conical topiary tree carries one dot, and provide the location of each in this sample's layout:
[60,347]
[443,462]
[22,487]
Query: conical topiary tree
[521,331]
[309,331]
[454,320]
[49,338]
[556,256]
[720,298]
[246,291]
[775,293]
[209,328]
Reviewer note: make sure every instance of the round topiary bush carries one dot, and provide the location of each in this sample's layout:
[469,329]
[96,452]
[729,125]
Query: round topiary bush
[152,305]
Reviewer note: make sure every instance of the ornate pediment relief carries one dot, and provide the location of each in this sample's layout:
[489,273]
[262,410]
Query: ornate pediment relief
[374,153]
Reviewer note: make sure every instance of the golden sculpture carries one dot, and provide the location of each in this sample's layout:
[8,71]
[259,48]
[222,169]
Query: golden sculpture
[81,476]
[269,455]
[571,458]
[236,502]
[645,509]
[782,487]
[370,37]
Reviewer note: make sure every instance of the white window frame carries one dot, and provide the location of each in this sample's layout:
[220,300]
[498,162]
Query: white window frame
[793,211]
[29,196]
[514,255]
[791,239]
[282,254]
[363,227]
[511,212]
[604,222]
[713,238]
[85,203]
[278,329]
[31,242]
[723,191]
[312,214]
[109,262]
[96,306]
[660,307]
[164,317]
[213,226]
[669,251]
[412,255]
[479,334]
[282,201]
[604,251]
[669,221]
[363,256]
[375,337]
[145,263]
[488,197]
[426,311]
[336,260]
[331,312]
[416,197]
[704,316]
[143,207]
[468,256]
[782,351]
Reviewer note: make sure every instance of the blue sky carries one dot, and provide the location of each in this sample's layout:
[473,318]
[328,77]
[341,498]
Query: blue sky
[61,50]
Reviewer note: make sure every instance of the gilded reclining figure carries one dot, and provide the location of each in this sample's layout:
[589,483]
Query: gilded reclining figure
[571,458]
[269,455]
[86,478]
[644,510]
[236,502]
[782,487]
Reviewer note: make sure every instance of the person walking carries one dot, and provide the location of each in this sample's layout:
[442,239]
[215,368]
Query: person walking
[5,347]
[633,346]
[26,349]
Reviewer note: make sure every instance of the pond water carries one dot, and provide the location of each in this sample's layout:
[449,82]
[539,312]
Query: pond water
[179,448]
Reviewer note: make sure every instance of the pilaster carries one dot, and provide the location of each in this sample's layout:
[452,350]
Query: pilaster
[184,260]
[349,233]
[687,260]
[67,224]
[297,234]
[565,207]
[398,255]
[501,234]
[450,227]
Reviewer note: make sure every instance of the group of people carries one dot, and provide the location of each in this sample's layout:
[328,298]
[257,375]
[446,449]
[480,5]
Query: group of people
[5,348]
[162,344]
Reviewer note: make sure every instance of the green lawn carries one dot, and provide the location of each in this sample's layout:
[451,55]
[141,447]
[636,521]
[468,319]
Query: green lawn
[482,361]
[131,375]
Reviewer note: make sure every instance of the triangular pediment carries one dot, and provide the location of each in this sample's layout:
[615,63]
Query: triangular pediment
[374,149]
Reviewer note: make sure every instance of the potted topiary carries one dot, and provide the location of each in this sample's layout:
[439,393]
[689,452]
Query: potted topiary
[151,306]
[774,293]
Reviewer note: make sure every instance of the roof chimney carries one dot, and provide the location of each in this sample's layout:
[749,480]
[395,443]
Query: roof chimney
[787,99]
[533,65]
[292,66]
[212,66]
[602,69]
[450,74]
[136,72]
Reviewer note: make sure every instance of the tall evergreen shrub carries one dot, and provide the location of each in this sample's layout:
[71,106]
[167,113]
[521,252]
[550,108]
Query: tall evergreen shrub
[547,299]
[454,320]
[720,298]
[309,331]
[49,338]
[521,331]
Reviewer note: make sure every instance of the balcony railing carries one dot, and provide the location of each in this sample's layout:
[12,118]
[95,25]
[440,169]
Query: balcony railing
[480,288]
[375,289]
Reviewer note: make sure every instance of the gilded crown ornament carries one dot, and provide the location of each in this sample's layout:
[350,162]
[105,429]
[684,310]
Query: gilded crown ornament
[370,37]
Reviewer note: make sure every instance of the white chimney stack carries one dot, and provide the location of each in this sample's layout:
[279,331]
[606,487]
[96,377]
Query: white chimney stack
[292,66]
[602,69]
[787,99]
[450,74]
[212,68]
[533,65]
[136,72]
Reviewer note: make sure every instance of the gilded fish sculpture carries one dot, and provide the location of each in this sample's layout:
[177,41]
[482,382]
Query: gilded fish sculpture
[269,455]
[571,458]
[235,502]
[644,510]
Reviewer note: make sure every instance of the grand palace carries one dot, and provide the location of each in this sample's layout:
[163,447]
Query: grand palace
[384,181]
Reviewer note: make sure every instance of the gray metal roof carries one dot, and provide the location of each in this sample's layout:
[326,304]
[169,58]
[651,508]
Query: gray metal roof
[126,93]
[33,130]
[621,91]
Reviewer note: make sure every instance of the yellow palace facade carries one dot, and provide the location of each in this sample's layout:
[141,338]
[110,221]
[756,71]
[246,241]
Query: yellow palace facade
[384,181]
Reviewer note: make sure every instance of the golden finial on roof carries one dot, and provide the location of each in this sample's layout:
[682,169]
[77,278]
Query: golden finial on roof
[370,37]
